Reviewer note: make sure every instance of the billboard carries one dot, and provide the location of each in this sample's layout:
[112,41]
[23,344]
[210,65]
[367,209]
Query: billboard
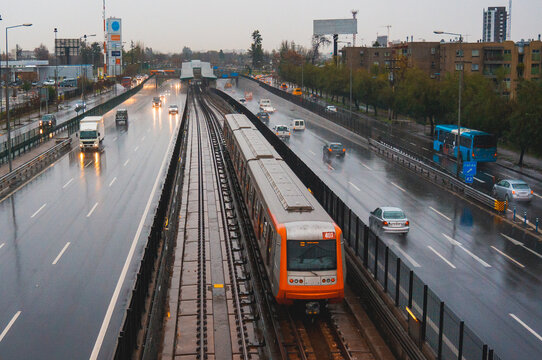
[114,46]
[67,47]
[335,26]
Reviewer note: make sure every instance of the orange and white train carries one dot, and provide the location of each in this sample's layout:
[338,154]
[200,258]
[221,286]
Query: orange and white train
[301,246]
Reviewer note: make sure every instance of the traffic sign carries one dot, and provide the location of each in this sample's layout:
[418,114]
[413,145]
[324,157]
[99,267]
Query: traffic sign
[469,179]
[469,168]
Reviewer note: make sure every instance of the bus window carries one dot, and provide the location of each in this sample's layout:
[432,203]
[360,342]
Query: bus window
[485,141]
[466,142]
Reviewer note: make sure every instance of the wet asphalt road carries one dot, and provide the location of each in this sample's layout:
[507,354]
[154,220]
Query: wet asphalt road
[469,257]
[67,234]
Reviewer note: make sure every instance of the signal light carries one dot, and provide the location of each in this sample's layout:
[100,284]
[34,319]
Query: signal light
[407,223]
[323,280]
[301,281]
[291,281]
[332,279]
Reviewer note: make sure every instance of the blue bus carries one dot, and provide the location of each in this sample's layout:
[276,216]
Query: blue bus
[475,145]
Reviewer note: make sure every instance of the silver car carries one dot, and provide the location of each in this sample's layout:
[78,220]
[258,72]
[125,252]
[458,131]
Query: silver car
[512,190]
[389,220]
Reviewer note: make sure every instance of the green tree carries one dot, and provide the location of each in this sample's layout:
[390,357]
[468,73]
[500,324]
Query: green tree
[526,120]
[256,51]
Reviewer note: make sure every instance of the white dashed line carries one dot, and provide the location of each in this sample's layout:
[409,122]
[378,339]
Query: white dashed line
[397,186]
[354,186]
[442,257]
[126,162]
[137,147]
[516,242]
[482,181]
[143,138]
[365,166]
[68,183]
[2,245]
[537,195]
[411,260]
[312,152]
[457,243]
[88,164]
[508,257]
[37,211]
[441,214]
[115,138]
[413,144]
[10,324]
[92,210]
[113,181]
[426,149]
[524,325]
[61,253]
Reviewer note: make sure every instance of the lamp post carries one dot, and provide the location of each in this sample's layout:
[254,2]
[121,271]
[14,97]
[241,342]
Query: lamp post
[461,71]
[84,37]
[7,95]
[56,74]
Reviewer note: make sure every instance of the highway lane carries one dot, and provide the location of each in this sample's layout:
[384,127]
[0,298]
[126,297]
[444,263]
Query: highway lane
[455,247]
[69,231]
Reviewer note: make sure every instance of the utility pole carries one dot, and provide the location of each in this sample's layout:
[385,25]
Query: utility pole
[56,75]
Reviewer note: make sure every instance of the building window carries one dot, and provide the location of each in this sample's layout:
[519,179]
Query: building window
[535,69]
[507,51]
[433,51]
[376,63]
[475,53]
[387,54]
[475,67]
[459,53]
[376,54]
[432,65]
[536,51]
[458,66]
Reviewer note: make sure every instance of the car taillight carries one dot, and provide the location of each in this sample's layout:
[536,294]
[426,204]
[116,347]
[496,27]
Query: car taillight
[277,133]
[289,134]
[495,155]
[384,223]
[344,150]
[329,149]
[473,155]
[513,192]
[407,223]
[532,192]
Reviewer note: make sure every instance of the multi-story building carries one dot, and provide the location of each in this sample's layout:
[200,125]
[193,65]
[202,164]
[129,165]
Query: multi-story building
[495,24]
[505,61]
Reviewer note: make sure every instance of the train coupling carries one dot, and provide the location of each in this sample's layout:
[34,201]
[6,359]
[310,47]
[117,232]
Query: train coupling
[312,308]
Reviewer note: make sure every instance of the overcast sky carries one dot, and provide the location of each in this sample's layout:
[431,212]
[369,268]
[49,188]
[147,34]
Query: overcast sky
[168,25]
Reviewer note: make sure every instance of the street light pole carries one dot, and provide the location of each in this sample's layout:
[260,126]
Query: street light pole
[461,71]
[83,82]
[56,75]
[7,95]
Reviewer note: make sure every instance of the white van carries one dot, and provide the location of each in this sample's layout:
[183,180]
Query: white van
[265,102]
[298,124]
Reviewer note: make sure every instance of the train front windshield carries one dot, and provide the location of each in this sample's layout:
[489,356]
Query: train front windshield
[315,255]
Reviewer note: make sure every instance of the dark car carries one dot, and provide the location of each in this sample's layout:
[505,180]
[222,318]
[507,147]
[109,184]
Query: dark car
[47,122]
[80,106]
[156,102]
[335,149]
[263,116]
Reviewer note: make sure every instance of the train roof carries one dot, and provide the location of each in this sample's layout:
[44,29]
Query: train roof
[285,195]
[464,131]
[238,121]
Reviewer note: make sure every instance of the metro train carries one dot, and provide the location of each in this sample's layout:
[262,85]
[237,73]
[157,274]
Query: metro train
[300,245]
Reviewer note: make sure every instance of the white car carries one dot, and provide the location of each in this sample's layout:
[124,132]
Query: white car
[282,131]
[268,108]
[49,82]
[298,124]
[331,108]
[389,219]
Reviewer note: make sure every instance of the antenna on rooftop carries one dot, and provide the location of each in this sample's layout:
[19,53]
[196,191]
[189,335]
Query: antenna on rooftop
[354,13]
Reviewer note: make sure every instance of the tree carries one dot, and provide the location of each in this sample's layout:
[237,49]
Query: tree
[221,56]
[256,51]
[187,53]
[526,121]
[317,42]
[18,52]
[41,52]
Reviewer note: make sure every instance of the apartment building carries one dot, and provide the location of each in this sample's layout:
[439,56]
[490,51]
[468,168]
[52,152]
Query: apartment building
[495,24]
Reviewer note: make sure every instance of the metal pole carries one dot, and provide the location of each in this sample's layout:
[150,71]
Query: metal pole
[459,160]
[7,101]
[56,74]
[440,330]
[350,107]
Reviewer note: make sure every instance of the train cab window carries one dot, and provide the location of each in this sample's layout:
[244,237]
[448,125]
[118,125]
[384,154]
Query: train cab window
[270,243]
[311,255]
[265,230]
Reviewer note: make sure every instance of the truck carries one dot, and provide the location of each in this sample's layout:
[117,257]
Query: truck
[121,116]
[91,133]
[156,102]
[126,81]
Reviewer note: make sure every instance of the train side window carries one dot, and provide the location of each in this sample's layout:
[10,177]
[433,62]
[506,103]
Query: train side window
[270,241]
[265,230]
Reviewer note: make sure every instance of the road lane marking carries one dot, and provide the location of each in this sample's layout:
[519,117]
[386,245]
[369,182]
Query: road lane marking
[2,245]
[537,195]
[88,164]
[411,260]
[115,296]
[312,152]
[482,181]
[115,138]
[37,211]
[10,324]
[413,144]
[397,186]
[92,210]
[524,325]
[442,257]
[365,166]
[330,167]
[137,147]
[516,242]
[143,138]
[457,243]
[68,183]
[508,257]
[126,162]
[441,214]
[354,186]
[426,149]
[113,181]
[61,253]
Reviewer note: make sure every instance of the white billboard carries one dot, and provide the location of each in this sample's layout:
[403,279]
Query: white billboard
[114,46]
[335,26]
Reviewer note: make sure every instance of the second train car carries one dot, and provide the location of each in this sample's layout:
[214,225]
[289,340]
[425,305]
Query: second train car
[301,246]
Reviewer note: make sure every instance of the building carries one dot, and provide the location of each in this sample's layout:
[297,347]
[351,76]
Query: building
[506,61]
[382,40]
[495,24]
[199,71]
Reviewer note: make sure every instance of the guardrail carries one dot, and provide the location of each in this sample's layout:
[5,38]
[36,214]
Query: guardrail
[159,246]
[31,167]
[34,138]
[431,323]
[436,176]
